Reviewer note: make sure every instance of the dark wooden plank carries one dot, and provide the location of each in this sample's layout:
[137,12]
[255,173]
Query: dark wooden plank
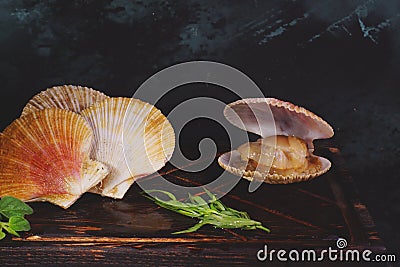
[99,230]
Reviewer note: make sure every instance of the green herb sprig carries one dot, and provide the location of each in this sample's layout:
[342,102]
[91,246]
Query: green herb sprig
[14,210]
[214,213]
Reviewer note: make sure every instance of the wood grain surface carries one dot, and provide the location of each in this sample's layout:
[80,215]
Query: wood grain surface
[134,231]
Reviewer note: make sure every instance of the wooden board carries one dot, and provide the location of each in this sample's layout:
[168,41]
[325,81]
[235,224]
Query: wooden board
[100,231]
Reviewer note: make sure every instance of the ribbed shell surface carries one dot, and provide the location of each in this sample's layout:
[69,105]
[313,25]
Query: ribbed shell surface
[133,138]
[269,117]
[68,97]
[44,156]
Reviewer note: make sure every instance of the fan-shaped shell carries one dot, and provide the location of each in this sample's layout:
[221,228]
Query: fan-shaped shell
[69,97]
[232,162]
[132,137]
[44,156]
[272,117]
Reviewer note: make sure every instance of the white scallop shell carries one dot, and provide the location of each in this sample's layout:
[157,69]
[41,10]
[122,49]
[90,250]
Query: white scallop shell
[133,138]
[254,115]
[69,97]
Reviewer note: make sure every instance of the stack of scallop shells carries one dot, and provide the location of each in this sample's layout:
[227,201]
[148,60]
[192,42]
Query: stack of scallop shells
[71,139]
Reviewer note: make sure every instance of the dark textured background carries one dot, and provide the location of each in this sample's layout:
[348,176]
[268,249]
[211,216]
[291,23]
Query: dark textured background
[340,59]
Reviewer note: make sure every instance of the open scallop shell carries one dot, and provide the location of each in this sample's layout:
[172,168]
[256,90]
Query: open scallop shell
[132,137]
[69,97]
[44,156]
[287,119]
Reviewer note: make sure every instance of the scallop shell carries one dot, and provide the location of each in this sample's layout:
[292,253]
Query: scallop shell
[286,119]
[44,156]
[69,97]
[133,138]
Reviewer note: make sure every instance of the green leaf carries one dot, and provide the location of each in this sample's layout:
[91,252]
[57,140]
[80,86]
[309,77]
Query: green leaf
[263,228]
[19,223]
[2,235]
[214,213]
[164,192]
[15,210]
[217,205]
[190,230]
[198,200]
[10,230]
[11,206]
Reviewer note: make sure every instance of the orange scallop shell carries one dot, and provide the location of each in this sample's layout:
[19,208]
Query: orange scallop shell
[44,156]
